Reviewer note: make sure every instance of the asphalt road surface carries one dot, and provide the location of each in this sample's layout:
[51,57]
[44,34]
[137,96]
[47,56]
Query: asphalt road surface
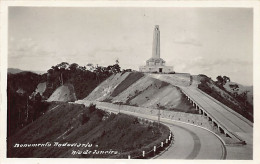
[226,118]
[190,142]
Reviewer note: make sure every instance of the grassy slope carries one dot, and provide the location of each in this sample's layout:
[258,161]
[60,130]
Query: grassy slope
[78,124]
[229,86]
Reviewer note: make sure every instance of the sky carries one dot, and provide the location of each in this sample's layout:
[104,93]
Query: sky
[210,41]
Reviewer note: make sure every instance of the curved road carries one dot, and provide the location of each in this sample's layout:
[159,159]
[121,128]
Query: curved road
[193,142]
[190,142]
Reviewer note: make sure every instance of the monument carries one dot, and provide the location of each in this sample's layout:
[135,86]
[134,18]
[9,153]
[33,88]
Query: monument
[156,64]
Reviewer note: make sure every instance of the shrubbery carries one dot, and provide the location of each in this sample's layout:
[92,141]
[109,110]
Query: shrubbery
[237,106]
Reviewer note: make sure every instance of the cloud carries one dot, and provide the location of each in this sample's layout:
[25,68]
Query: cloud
[25,47]
[200,64]
[238,70]
[188,41]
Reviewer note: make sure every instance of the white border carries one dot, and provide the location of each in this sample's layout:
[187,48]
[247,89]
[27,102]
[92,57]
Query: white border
[3,54]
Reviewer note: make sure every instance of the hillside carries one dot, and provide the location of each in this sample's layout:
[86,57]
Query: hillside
[161,91]
[14,70]
[68,124]
[237,97]
[26,81]
[138,89]
[21,110]
[238,89]
[69,82]
[64,93]
[26,90]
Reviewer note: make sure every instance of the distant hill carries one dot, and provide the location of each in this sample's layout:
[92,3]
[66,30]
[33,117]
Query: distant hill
[14,70]
[39,72]
[17,70]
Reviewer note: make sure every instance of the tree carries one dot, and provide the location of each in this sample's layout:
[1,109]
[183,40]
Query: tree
[243,97]
[90,67]
[73,67]
[220,80]
[226,79]
[116,68]
[61,69]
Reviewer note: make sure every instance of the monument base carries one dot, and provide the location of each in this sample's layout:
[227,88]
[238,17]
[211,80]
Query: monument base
[159,69]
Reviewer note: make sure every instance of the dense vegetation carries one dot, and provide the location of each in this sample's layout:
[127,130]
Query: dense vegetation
[83,80]
[24,107]
[71,123]
[237,102]
[22,110]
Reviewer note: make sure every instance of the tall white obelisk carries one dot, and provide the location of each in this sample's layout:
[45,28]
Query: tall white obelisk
[156,42]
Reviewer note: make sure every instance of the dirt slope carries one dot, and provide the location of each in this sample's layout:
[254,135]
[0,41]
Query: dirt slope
[143,90]
[41,87]
[64,93]
[105,89]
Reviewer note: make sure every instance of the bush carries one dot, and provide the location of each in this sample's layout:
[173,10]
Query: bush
[92,108]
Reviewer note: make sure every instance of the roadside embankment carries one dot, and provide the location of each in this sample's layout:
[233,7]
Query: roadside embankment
[69,130]
[195,119]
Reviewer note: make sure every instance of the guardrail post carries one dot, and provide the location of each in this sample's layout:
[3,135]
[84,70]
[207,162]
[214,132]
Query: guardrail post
[154,148]
[129,157]
[143,153]
[166,141]
[161,144]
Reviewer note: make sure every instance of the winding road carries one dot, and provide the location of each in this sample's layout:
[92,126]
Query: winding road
[190,141]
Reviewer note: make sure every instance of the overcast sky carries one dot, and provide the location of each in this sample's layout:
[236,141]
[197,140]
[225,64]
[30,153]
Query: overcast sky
[211,41]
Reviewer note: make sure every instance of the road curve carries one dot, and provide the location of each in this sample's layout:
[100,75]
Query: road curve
[193,142]
[190,142]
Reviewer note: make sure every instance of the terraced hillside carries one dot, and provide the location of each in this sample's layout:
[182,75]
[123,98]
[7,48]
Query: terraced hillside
[138,89]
